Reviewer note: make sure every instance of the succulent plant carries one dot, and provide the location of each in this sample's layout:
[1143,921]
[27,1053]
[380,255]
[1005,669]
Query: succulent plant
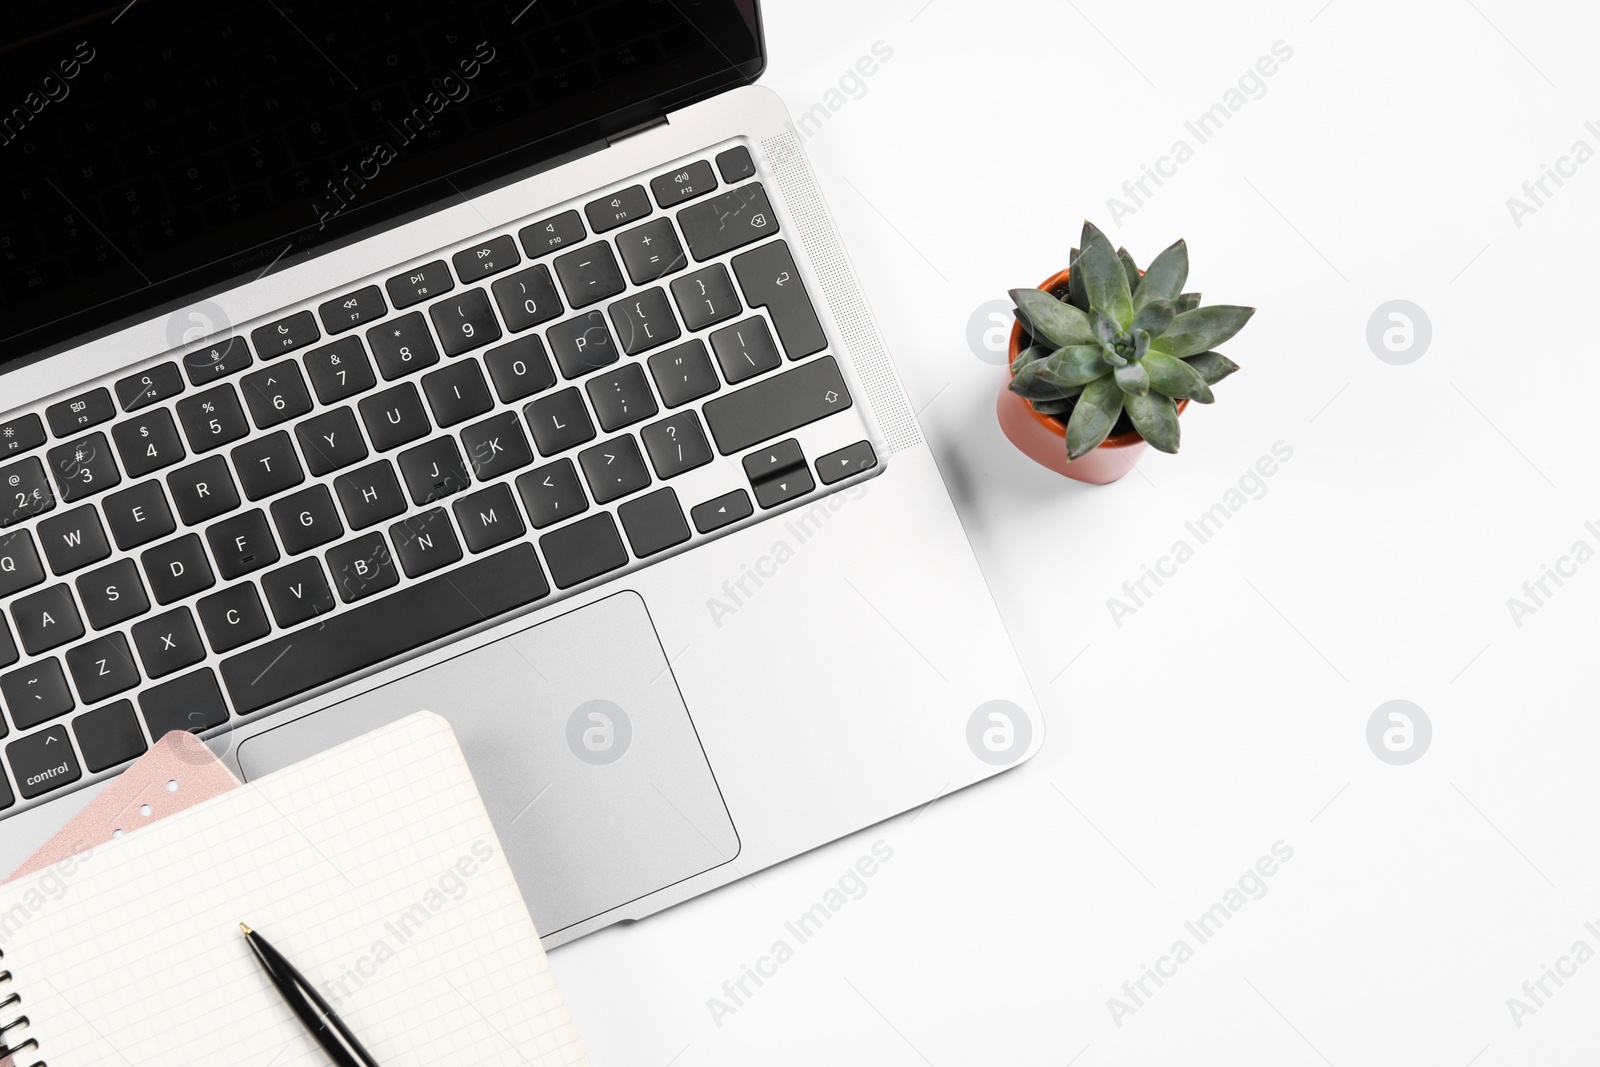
[1118,342]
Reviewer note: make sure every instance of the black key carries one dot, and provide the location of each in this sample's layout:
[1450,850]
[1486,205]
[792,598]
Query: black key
[394,417]
[784,487]
[552,234]
[434,470]
[102,668]
[112,594]
[489,518]
[425,543]
[148,443]
[347,312]
[362,567]
[177,569]
[582,344]
[706,297]
[206,365]
[559,421]
[108,736]
[24,492]
[307,519]
[74,539]
[457,393]
[267,465]
[644,321]
[731,220]
[43,762]
[138,515]
[297,593]
[519,369]
[276,393]
[851,459]
[614,468]
[419,283]
[402,346]
[79,413]
[736,165]
[684,184]
[584,550]
[464,322]
[169,642]
[46,619]
[777,405]
[770,280]
[212,419]
[83,467]
[496,446]
[683,373]
[36,693]
[651,251]
[203,490]
[192,703]
[285,335]
[8,652]
[148,387]
[491,257]
[552,493]
[654,522]
[527,298]
[774,460]
[370,494]
[330,441]
[355,640]
[340,370]
[609,212]
[19,563]
[621,397]
[232,617]
[745,350]
[20,434]
[676,444]
[589,274]
[721,511]
[242,544]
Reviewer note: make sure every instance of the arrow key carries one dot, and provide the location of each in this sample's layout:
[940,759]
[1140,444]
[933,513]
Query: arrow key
[785,487]
[43,762]
[773,461]
[36,693]
[851,459]
[721,511]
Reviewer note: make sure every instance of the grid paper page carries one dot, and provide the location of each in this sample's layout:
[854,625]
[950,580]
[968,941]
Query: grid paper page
[372,866]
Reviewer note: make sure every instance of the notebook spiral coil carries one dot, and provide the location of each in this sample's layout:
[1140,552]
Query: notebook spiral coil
[14,1024]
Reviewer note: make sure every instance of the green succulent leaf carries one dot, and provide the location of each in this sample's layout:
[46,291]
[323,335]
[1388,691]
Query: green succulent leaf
[1156,419]
[1165,277]
[1077,296]
[1052,407]
[1092,418]
[1187,302]
[1141,344]
[1104,328]
[1130,268]
[1212,366]
[1133,379]
[1028,384]
[1104,279]
[1048,319]
[1072,367]
[1155,317]
[1029,355]
[1196,331]
[1172,377]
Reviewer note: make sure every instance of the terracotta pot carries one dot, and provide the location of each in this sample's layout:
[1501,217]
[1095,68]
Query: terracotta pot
[1043,438]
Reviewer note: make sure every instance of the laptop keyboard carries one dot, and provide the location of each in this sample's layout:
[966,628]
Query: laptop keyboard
[482,432]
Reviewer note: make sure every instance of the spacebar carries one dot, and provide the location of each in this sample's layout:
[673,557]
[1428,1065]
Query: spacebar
[388,626]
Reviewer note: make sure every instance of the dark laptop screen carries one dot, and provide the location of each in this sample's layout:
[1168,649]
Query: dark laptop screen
[153,148]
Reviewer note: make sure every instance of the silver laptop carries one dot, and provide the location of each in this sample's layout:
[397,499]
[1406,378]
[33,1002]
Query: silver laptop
[495,359]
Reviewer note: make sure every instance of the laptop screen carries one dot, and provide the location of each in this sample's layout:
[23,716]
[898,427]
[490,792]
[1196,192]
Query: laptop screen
[152,149]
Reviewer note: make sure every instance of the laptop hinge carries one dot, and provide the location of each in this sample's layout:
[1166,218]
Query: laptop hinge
[634,131]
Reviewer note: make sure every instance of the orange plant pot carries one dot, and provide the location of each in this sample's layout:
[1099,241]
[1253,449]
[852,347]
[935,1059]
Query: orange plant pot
[1043,438]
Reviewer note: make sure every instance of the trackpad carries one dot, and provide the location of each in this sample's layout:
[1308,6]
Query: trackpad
[581,747]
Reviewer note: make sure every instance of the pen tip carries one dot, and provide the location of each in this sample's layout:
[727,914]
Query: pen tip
[245,930]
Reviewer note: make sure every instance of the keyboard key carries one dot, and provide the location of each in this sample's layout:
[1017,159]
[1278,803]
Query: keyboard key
[728,221]
[651,251]
[149,387]
[582,344]
[654,522]
[20,434]
[330,441]
[457,393]
[203,490]
[112,594]
[684,184]
[770,280]
[584,550]
[206,365]
[307,519]
[83,467]
[108,736]
[357,639]
[341,370]
[644,321]
[777,405]
[545,237]
[73,539]
[519,369]
[774,460]
[81,412]
[496,446]
[192,703]
[169,642]
[559,421]
[722,511]
[621,397]
[267,465]
[43,762]
[102,668]
[527,298]
[233,617]
[46,619]
[370,494]
[8,651]
[464,322]
[36,693]
[488,518]
[285,335]
[177,569]
[552,493]
[745,350]
[614,469]
[148,443]
[706,297]
[19,563]
[784,487]
[609,212]
[297,593]
[394,417]
[275,393]
[362,567]
[347,312]
[434,470]
[491,257]
[26,492]
[851,459]
[212,419]
[683,373]
[419,283]
[736,165]
[138,515]
[425,543]
[242,544]
[402,346]
[589,274]
[676,444]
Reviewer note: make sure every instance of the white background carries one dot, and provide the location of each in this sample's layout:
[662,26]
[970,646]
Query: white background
[1229,712]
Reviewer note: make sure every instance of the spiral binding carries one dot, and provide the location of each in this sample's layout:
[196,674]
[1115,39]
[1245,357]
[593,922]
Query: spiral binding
[16,1023]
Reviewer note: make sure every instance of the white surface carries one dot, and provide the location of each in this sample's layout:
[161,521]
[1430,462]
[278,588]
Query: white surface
[1230,712]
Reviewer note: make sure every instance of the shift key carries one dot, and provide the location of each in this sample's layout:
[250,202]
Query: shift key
[770,280]
[775,406]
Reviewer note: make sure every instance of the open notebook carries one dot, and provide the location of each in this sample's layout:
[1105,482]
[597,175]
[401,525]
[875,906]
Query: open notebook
[372,866]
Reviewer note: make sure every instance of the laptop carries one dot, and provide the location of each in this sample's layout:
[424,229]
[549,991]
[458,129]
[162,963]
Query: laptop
[495,359]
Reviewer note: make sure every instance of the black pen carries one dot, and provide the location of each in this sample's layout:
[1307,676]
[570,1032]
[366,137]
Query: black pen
[330,1032]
